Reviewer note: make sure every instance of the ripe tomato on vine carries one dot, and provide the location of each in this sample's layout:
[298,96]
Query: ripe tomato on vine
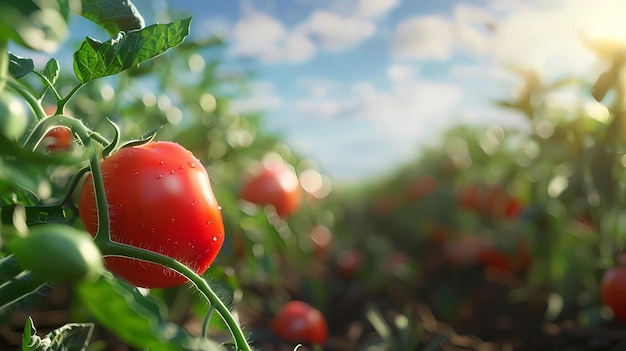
[160,199]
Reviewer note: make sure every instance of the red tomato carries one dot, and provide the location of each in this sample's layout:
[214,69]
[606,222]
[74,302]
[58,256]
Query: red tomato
[462,251]
[504,261]
[275,184]
[348,262]
[613,290]
[499,203]
[58,139]
[470,197]
[422,187]
[493,258]
[160,199]
[298,321]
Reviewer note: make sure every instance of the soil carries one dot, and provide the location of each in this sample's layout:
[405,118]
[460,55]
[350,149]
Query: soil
[480,317]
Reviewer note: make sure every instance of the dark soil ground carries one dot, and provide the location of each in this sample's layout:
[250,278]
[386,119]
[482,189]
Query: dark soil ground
[481,318]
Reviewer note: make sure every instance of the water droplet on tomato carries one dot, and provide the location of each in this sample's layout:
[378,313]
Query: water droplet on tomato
[191,164]
[158,176]
[209,222]
[159,163]
[136,173]
[219,208]
[153,230]
[172,172]
[173,220]
[181,167]
[194,202]
[214,239]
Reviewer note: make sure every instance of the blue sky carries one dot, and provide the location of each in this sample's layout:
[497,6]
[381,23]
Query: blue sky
[361,85]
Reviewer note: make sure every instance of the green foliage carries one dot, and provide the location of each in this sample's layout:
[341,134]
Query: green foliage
[95,59]
[70,337]
[137,319]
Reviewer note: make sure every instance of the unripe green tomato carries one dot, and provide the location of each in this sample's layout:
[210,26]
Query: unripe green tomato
[58,253]
[13,118]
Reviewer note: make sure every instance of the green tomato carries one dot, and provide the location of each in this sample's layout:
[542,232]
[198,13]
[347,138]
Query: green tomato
[13,117]
[58,253]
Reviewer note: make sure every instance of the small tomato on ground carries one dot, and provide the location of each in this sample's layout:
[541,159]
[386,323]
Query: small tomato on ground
[274,184]
[160,199]
[297,321]
[613,290]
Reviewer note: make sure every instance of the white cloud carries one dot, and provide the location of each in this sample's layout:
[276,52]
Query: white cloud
[426,37]
[335,32]
[547,36]
[257,35]
[473,26]
[378,129]
[374,8]
[298,48]
[400,73]
[262,97]
[318,108]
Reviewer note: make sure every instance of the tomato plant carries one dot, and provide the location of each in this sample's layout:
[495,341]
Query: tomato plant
[160,199]
[58,253]
[613,289]
[297,321]
[274,184]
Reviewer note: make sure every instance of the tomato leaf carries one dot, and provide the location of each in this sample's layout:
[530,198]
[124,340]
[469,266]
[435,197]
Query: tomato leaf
[51,71]
[113,15]
[136,319]
[20,66]
[38,25]
[72,336]
[95,59]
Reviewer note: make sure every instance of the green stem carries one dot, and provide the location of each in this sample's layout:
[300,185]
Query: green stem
[84,134]
[119,249]
[32,101]
[62,102]
[49,86]
[207,321]
[4,63]
[103,234]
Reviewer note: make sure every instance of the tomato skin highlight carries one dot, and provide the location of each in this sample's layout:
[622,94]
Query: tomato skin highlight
[275,184]
[298,321]
[160,199]
[613,290]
